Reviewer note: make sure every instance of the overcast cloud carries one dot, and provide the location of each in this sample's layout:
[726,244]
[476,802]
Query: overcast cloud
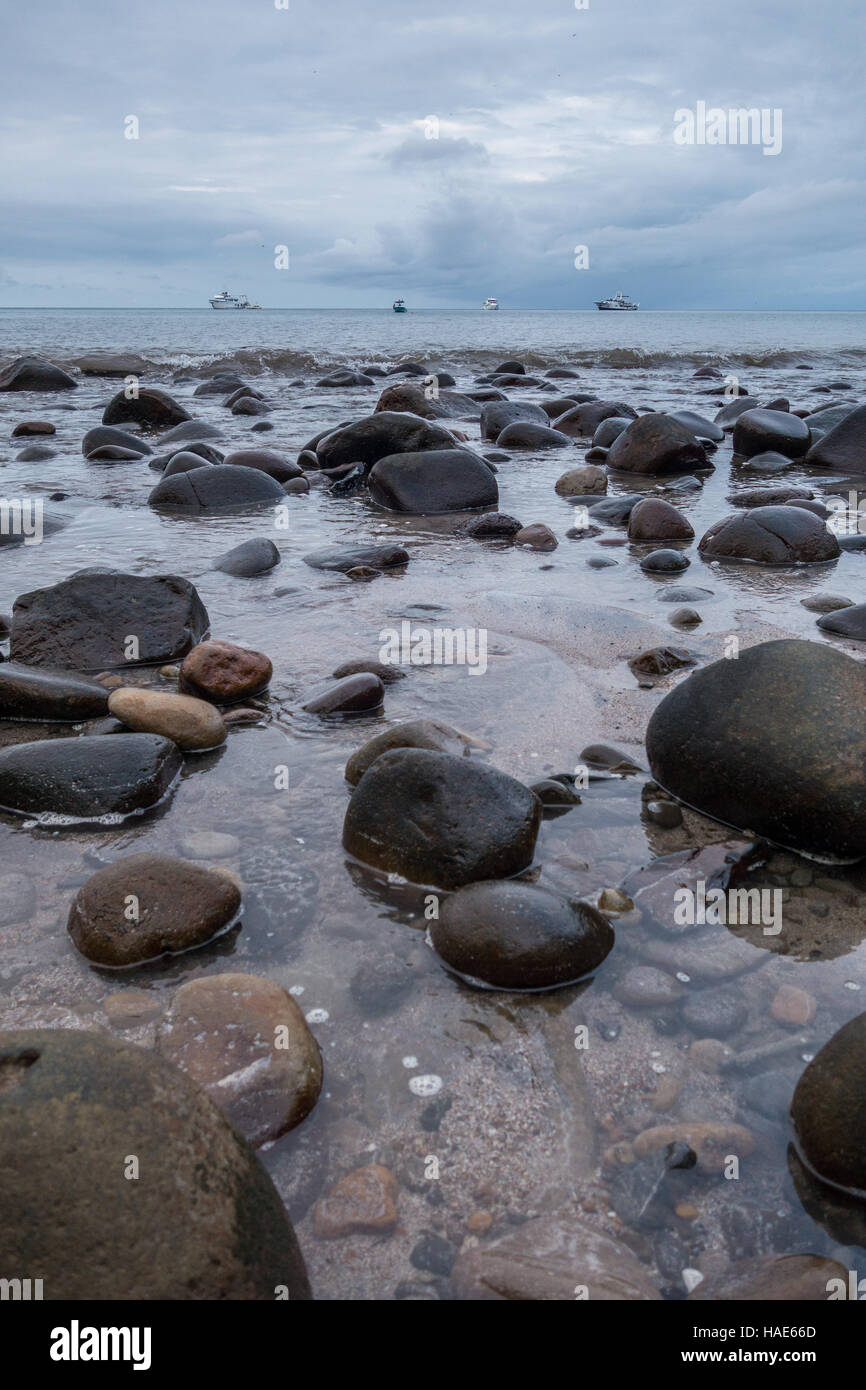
[311,127]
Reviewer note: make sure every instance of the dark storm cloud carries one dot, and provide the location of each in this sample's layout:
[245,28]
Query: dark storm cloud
[443,154]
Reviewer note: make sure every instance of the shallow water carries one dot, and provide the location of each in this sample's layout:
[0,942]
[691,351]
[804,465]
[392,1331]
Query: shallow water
[522,1119]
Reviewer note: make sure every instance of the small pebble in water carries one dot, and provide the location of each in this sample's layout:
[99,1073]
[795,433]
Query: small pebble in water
[410,1063]
[317,1016]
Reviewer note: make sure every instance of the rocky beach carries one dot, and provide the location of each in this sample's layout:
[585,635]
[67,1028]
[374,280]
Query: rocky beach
[433,787]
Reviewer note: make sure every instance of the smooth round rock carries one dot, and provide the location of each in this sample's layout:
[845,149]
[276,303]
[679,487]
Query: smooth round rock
[417,733]
[88,777]
[580,481]
[249,559]
[656,520]
[656,444]
[441,820]
[527,434]
[829,1110]
[184,462]
[149,905]
[224,672]
[826,603]
[151,408]
[849,621]
[773,743]
[756,431]
[771,536]
[517,936]
[646,987]
[188,722]
[432,481]
[494,526]
[245,1041]
[715,1013]
[354,695]
[218,488]
[35,693]
[202,1222]
[536,536]
[268,461]
[665,562]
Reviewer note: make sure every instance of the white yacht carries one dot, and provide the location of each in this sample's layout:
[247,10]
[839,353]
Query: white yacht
[616,301]
[490,303]
[230,301]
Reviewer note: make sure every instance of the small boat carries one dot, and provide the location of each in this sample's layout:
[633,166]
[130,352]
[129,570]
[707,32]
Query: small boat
[616,301]
[231,301]
[399,306]
[490,303]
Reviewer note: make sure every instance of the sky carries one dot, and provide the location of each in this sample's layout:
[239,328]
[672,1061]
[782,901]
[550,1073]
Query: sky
[440,152]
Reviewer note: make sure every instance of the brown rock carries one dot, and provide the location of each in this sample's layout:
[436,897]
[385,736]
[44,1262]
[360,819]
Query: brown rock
[246,1042]
[149,905]
[793,1005]
[656,520]
[712,1140]
[548,1260]
[577,481]
[774,1279]
[418,733]
[536,536]
[363,1201]
[224,673]
[190,723]
[32,427]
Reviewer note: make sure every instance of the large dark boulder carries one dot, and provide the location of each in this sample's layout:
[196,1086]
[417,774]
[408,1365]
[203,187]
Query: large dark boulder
[220,487]
[829,1109]
[757,431]
[151,408]
[497,414]
[378,435]
[85,623]
[88,777]
[656,444]
[446,480]
[842,448]
[35,374]
[771,536]
[441,820]
[773,743]
[31,693]
[513,935]
[202,1222]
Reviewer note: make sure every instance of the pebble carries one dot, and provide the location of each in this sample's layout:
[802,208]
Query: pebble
[244,1039]
[644,987]
[190,723]
[363,1201]
[793,1005]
